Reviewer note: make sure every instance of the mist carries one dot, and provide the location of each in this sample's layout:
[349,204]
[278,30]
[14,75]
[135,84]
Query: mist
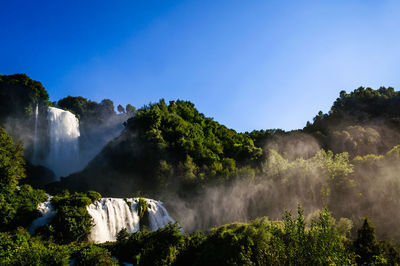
[350,187]
[62,146]
[358,178]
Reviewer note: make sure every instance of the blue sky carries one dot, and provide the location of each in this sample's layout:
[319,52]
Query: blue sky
[248,64]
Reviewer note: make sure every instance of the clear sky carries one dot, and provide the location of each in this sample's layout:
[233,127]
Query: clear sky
[249,64]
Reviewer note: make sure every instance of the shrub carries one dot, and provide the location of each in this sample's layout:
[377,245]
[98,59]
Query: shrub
[95,256]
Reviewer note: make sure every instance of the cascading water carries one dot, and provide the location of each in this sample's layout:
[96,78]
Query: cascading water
[47,211]
[35,140]
[63,157]
[158,215]
[111,215]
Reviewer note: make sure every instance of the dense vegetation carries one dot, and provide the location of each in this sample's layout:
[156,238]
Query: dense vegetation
[176,146]
[23,111]
[72,222]
[17,203]
[94,118]
[172,148]
[361,122]
[346,160]
[290,241]
[19,95]
[165,146]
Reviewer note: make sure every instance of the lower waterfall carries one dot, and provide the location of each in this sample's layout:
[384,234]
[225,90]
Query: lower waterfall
[111,215]
[47,211]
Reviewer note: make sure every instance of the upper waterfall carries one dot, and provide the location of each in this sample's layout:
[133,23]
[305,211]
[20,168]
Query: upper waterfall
[35,137]
[64,134]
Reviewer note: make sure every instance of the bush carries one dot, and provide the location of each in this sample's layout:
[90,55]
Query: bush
[160,247]
[93,195]
[95,256]
[20,249]
[17,204]
[72,222]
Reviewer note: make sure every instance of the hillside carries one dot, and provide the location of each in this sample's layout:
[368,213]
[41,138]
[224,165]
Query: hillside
[168,146]
[208,175]
[175,147]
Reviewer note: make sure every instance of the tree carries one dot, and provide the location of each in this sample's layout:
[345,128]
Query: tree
[77,105]
[107,107]
[366,246]
[121,109]
[11,160]
[17,204]
[72,221]
[130,109]
[94,255]
[19,94]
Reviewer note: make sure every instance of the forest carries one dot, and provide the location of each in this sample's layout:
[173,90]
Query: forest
[326,194]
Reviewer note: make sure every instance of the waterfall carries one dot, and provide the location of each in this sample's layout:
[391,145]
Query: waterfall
[35,140]
[63,157]
[47,211]
[158,215]
[111,215]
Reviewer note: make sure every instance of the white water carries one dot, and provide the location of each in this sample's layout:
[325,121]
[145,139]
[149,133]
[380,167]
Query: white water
[63,157]
[35,140]
[158,215]
[111,215]
[47,211]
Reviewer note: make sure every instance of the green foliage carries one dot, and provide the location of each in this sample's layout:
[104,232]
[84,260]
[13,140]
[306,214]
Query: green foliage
[77,105]
[17,204]
[86,110]
[143,213]
[288,242]
[174,146]
[357,140]
[389,252]
[168,146]
[95,256]
[19,95]
[367,100]
[130,109]
[95,119]
[160,247]
[142,207]
[121,109]
[72,222]
[18,207]
[262,242]
[342,128]
[11,161]
[20,249]
[93,195]
[123,235]
[366,246]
